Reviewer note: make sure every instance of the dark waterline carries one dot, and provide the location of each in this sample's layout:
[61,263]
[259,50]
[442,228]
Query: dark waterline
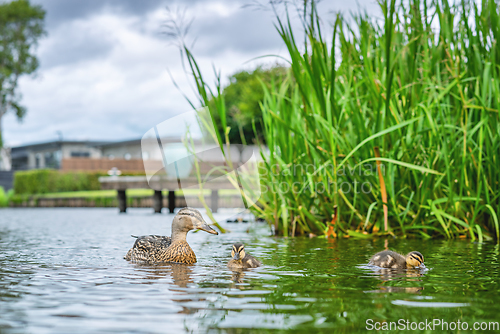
[62,271]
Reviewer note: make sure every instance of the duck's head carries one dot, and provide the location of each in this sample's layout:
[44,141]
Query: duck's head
[238,251]
[188,219]
[415,260]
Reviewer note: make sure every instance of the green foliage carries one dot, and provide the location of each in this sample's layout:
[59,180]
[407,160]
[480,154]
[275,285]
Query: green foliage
[426,98]
[42,181]
[21,25]
[5,197]
[418,93]
[47,181]
[242,98]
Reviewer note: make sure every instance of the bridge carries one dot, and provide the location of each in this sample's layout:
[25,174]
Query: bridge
[159,183]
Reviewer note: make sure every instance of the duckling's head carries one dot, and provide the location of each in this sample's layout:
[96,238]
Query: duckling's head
[238,251]
[415,260]
[188,219]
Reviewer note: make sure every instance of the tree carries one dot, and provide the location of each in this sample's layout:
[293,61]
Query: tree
[242,97]
[21,25]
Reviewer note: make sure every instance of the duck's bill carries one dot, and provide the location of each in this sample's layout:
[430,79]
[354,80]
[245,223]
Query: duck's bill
[422,266]
[236,256]
[205,227]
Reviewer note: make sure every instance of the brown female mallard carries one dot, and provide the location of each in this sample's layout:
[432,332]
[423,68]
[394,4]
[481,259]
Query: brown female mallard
[241,260]
[393,260]
[152,249]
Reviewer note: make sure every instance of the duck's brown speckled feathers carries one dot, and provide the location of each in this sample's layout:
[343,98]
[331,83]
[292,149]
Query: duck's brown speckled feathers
[153,249]
[180,252]
[241,260]
[147,253]
[152,241]
[148,247]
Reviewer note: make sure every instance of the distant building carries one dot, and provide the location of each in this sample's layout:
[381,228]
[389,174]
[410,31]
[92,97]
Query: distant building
[128,149]
[6,175]
[133,149]
[5,161]
[128,155]
[50,154]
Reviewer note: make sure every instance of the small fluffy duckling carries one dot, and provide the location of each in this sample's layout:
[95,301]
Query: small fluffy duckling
[241,260]
[393,260]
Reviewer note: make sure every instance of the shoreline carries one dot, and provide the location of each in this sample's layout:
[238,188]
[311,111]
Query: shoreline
[35,201]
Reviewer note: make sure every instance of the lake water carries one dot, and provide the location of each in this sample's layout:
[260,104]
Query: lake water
[62,271]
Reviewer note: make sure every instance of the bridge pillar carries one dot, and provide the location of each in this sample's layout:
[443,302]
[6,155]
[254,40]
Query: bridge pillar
[171,201]
[122,201]
[158,201]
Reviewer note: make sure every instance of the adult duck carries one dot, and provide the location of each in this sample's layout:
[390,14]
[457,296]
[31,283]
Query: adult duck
[154,249]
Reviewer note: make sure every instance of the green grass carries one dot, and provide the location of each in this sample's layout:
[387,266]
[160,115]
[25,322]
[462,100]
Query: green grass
[417,93]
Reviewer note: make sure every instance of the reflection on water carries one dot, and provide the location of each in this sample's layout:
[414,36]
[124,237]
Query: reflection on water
[62,271]
[385,275]
[237,276]
[180,273]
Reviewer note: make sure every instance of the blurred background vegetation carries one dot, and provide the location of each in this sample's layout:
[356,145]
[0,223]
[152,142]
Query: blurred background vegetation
[5,197]
[21,26]
[242,97]
[44,181]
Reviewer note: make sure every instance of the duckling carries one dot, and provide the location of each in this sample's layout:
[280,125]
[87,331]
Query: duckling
[393,260]
[240,259]
[151,249]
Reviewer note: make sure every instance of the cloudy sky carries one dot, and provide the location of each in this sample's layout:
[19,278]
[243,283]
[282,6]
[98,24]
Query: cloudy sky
[105,64]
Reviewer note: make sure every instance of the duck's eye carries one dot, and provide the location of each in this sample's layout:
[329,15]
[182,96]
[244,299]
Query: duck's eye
[417,258]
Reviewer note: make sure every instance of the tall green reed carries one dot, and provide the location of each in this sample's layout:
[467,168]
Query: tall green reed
[421,87]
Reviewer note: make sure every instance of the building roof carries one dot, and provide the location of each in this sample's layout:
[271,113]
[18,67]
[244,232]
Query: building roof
[119,143]
[138,142]
[95,143]
[55,144]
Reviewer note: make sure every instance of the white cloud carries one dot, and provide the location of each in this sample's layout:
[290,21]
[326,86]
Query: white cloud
[104,75]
